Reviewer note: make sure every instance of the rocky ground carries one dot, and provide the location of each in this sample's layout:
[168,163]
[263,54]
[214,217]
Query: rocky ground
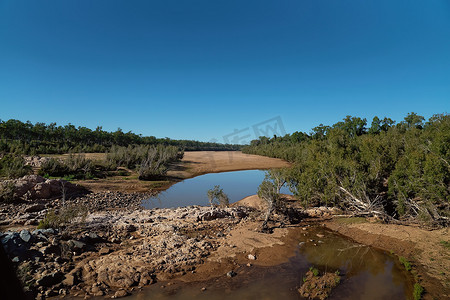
[115,252]
[115,247]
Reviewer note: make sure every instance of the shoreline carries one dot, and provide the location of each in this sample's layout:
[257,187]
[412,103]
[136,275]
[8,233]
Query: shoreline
[212,242]
[193,164]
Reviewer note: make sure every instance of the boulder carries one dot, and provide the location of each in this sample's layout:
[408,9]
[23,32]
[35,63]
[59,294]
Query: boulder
[42,190]
[120,294]
[50,279]
[214,214]
[25,235]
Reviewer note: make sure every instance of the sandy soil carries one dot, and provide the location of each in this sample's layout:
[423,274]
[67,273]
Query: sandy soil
[194,163]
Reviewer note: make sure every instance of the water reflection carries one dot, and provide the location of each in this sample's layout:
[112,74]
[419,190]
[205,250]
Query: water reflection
[236,185]
[367,273]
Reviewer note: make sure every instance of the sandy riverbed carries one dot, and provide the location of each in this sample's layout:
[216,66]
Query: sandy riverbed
[194,163]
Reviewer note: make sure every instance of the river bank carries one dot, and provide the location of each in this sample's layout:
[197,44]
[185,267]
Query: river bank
[115,252]
[194,163]
[118,248]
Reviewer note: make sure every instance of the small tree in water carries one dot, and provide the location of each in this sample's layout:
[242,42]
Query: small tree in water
[217,197]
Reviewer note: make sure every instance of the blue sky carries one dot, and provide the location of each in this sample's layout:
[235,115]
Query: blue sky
[200,69]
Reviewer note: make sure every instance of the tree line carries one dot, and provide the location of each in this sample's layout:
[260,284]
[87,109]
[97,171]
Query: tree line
[40,138]
[400,170]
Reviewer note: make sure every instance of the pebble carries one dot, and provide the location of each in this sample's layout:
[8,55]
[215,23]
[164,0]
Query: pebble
[231,274]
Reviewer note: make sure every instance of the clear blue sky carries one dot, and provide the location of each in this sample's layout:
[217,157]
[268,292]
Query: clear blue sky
[200,69]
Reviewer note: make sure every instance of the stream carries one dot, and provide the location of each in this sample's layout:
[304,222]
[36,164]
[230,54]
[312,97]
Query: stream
[366,273]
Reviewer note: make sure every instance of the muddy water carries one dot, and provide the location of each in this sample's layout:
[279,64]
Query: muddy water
[366,273]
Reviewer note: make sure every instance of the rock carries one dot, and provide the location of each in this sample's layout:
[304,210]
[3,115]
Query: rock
[76,245]
[35,208]
[25,235]
[251,257]
[104,251]
[231,274]
[47,231]
[130,228]
[31,222]
[70,280]
[51,279]
[320,235]
[42,190]
[239,213]
[120,294]
[212,215]
[32,187]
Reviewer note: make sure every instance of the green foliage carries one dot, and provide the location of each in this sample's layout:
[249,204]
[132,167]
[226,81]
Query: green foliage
[13,166]
[405,263]
[7,190]
[65,216]
[23,273]
[151,162]
[418,291]
[315,271]
[27,138]
[54,167]
[445,244]
[70,168]
[217,197]
[402,170]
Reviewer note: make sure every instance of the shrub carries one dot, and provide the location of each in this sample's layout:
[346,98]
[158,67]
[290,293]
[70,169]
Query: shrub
[7,190]
[418,291]
[73,167]
[405,262]
[12,166]
[445,244]
[267,191]
[217,197]
[54,167]
[151,162]
[315,271]
[66,216]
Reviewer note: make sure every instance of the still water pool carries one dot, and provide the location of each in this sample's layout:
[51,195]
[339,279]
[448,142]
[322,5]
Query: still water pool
[366,273]
[236,185]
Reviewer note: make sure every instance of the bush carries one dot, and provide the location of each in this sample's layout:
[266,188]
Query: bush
[405,263]
[12,166]
[315,271]
[418,291]
[73,167]
[217,197]
[66,215]
[401,171]
[151,162]
[7,190]
[54,167]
